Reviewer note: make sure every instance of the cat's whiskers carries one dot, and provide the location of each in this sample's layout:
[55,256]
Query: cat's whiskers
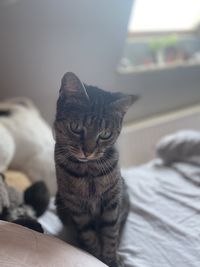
[103,170]
[62,157]
[108,165]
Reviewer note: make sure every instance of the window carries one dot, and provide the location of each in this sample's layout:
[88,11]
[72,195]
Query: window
[164,15]
[162,34]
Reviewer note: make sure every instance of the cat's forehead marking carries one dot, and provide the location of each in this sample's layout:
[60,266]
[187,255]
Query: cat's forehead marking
[84,89]
[96,122]
[103,123]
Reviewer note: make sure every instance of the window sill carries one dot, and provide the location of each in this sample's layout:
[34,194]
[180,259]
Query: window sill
[157,67]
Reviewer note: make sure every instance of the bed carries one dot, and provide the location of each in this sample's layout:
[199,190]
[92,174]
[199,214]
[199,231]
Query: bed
[163,226]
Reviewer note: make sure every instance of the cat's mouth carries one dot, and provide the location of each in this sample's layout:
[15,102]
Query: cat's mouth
[83,159]
[87,159]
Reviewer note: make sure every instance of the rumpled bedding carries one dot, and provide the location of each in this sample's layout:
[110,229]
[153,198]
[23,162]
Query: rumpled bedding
[163,226]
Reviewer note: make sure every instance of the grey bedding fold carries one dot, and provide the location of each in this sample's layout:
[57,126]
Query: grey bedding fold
[163,227]
[183,146]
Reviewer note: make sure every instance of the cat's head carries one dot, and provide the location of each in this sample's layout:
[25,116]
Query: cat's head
[88,119]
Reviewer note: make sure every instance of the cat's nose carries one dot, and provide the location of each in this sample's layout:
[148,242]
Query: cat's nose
[84,154]
[89,148]
[87,153]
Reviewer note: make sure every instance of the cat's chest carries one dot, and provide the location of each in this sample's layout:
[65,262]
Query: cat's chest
[91,189]
[84,187]
[94,207]
[90,205]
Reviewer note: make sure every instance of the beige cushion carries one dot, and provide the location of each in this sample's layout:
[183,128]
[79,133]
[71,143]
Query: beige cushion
[22,247]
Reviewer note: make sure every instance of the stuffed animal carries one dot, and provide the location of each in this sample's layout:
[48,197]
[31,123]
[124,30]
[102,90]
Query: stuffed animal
[17,179]
[26,146]
[26,142]
[23,207]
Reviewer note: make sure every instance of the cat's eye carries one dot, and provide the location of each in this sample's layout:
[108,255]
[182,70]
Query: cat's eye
[106,134]
[75,127]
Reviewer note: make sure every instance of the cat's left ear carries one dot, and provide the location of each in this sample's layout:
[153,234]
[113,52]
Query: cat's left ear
[123,102]
[71,84]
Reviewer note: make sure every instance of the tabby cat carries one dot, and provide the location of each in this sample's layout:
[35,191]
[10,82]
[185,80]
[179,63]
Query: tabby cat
[91,191]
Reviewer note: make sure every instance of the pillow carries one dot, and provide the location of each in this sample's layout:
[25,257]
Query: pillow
[20,246]
[183,146]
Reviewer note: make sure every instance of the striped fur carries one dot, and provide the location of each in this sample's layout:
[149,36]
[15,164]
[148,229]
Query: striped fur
[91,192]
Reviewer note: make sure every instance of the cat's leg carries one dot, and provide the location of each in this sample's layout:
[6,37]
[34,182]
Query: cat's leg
[87,235]
[71,212]
[110,228]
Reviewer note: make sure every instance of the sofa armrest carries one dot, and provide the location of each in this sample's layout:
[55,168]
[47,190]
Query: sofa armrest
[20,246]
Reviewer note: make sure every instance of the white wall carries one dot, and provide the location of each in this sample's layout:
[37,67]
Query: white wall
[41,39]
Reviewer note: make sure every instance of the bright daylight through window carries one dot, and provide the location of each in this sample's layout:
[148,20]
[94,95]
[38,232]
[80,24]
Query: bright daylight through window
[162,34]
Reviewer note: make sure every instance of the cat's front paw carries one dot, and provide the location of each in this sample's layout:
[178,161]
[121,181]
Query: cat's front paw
[117,263]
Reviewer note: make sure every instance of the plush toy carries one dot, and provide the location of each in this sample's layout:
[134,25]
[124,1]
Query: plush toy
[17,179]
[27,147]
[23,207]
[26,142]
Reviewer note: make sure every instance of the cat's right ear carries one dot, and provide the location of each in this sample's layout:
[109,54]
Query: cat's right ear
[71,85]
